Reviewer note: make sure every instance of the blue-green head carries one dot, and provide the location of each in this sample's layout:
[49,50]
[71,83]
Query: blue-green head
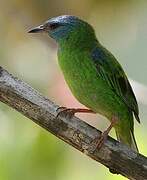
[66,28]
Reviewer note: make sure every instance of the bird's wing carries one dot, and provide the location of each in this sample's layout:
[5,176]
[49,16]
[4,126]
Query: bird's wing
[111,71]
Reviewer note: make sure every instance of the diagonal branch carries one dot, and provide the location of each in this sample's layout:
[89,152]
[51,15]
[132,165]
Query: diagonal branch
[117,157]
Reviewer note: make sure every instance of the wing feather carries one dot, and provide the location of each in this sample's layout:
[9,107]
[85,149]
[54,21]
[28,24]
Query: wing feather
[111,71]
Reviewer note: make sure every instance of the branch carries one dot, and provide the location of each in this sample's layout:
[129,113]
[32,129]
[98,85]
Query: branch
[116,156]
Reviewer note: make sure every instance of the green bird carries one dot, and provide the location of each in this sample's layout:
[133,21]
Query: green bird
[94,76]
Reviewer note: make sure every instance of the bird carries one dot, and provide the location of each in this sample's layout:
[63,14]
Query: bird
[94,76]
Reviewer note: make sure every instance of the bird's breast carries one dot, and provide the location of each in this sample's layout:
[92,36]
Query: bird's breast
[80,74]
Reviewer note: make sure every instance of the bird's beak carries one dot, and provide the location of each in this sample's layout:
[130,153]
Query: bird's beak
[37,29]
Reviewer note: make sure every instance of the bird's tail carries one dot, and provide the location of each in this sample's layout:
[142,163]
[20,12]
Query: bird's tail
[128,138]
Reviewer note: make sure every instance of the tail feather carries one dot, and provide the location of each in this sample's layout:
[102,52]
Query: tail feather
[128,139]
[134,144]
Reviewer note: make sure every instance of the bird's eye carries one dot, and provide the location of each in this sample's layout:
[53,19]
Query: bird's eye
[54,26]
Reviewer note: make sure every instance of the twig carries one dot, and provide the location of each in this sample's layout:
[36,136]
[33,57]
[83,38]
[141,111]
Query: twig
[116,156]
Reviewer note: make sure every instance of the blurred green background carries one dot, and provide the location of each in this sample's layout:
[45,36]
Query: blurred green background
[28,152]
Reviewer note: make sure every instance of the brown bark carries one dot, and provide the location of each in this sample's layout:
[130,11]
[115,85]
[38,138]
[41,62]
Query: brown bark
[117,157]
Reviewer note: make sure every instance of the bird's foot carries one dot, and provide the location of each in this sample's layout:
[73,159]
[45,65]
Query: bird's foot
[61,111]
[98,142]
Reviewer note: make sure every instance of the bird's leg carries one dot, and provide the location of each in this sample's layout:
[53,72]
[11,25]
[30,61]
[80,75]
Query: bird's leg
[98,142]
[72,111]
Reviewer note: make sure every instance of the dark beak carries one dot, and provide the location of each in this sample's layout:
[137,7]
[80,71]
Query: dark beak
[37,29]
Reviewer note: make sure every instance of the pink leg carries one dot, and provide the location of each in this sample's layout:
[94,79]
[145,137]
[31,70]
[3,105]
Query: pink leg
[98,142]
[72,111]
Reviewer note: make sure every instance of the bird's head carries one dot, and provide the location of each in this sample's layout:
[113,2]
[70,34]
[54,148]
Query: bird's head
[65,27]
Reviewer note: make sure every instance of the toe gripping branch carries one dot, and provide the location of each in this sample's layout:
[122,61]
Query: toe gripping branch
[61,111]
[98,142]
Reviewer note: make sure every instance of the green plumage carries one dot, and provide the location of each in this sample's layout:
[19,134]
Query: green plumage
[100,84]
[93,74]
[93,91]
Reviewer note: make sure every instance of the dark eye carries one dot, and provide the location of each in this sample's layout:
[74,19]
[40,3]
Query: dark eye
[54,26]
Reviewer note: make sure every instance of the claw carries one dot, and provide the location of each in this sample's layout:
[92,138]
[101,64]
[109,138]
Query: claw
[101,140]
[71,111]
[98,142]
[61,111]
